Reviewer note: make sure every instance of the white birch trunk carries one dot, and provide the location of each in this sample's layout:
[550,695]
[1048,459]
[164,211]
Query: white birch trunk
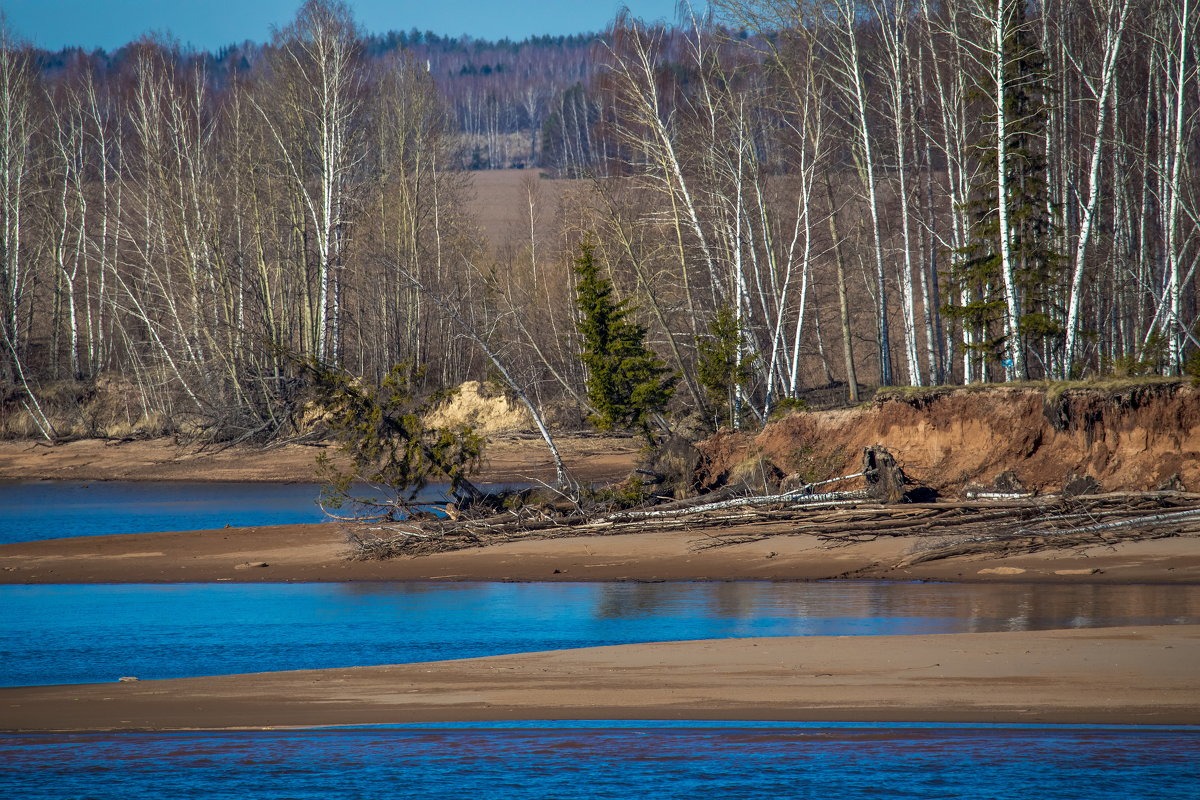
[1113,32]
[851,68]
[1014,368]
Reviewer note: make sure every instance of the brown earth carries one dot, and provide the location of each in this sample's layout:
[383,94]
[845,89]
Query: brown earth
[1128,437]
[1143,675]
[507,459]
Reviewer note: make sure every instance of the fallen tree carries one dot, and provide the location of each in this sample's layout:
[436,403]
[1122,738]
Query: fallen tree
[1004,523]
[547,513]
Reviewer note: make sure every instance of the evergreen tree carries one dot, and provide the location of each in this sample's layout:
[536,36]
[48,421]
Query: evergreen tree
[721,368]
[1031,225]
[388,452]
[627,383]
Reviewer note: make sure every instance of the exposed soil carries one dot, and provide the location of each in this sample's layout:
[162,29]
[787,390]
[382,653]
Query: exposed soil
[486,411]
[1134,437]
[511,458]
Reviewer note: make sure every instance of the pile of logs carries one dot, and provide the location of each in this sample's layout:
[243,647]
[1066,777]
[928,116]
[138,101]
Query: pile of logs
[993,527]
[998,524]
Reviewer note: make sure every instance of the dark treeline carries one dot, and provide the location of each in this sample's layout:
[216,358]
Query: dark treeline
[499,94]
[790,195]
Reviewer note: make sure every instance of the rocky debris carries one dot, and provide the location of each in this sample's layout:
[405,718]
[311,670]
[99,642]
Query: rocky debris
[1008,481]
[1172,483]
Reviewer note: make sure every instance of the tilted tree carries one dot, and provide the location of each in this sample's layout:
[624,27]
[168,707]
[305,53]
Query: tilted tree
[389,452]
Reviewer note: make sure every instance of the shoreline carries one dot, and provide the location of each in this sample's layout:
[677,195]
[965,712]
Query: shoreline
[1100,676]
[507,459]
[317,552]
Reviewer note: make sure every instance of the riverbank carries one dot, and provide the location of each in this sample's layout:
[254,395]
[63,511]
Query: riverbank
[507,459]
[319,552]
[1143,675]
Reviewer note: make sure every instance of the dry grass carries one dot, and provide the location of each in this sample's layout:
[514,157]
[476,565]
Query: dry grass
[500,204]
[1110,385]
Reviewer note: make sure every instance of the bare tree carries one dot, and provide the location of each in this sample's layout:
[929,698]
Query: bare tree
[311,107]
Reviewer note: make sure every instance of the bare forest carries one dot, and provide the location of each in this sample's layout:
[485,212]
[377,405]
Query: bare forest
[781,196]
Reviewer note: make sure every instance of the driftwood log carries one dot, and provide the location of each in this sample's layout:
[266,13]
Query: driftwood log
[938,530]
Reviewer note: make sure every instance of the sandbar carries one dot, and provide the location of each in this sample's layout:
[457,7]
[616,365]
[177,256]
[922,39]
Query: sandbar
[1142,675]
[319,552]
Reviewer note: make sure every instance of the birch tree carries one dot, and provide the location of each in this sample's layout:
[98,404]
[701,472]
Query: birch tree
[1113,16]
[843,17]
[17,128]
[312,110]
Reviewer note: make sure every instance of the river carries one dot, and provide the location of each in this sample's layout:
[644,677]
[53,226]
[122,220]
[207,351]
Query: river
[97,633]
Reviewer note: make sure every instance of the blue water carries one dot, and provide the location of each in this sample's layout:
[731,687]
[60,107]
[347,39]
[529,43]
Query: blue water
[53,509]
[97,633]
[35,510]
[590,760]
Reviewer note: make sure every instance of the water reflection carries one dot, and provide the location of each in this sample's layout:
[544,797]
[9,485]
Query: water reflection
[77,634]
[34,510]
[972,607]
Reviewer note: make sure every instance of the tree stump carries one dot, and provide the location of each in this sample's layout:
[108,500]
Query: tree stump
[885,479]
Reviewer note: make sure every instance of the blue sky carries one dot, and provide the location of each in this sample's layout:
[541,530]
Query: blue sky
[208,24]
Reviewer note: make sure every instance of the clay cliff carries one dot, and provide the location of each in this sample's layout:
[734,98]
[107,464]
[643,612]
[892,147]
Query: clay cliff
[1126,436]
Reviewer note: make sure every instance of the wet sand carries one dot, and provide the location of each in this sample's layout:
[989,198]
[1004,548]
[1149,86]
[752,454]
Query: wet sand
[1144,675]
[318,552]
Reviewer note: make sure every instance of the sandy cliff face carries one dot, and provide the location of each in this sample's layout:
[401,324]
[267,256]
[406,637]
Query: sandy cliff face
[1127,438]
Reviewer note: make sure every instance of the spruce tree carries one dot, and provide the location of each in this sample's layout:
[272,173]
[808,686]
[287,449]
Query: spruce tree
[388,451]
[1031,225]
[627,383]
[721,368]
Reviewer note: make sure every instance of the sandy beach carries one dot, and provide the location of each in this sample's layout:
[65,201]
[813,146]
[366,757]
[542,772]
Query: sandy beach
[1098,676]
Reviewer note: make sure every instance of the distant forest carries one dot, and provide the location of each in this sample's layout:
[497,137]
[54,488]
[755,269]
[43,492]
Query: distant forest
[505,98]
[783,195]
